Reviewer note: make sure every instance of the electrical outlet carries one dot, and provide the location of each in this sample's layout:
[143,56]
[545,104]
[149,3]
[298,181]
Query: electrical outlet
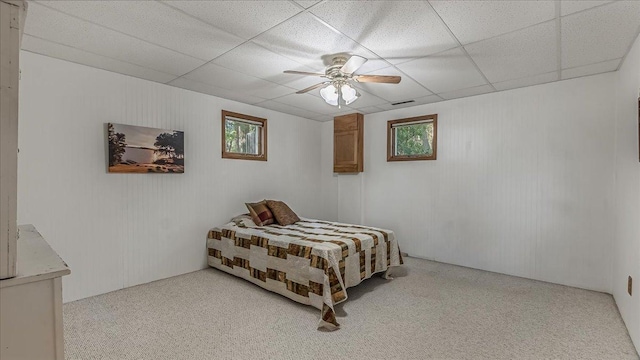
[630,286]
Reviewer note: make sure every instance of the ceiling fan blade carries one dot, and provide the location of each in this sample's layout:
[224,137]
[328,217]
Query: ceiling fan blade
[377,79]
[312,87]
[353,64]
[303,73]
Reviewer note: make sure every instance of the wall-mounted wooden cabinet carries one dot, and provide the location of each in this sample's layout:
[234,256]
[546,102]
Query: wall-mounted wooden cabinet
[348,143]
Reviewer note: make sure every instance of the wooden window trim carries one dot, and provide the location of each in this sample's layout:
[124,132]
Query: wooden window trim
[391,138]
[262,138]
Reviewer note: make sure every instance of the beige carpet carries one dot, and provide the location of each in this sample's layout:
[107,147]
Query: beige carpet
[430,311]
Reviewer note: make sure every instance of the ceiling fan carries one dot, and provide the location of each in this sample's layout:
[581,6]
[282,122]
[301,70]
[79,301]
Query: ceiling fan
[338,88]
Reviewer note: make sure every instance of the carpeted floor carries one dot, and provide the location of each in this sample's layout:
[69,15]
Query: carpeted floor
[429,311]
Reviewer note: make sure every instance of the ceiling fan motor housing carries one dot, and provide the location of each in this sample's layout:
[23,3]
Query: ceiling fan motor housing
[339,76]
[333,71]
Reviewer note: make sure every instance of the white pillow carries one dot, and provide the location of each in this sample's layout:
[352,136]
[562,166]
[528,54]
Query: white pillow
[244,221]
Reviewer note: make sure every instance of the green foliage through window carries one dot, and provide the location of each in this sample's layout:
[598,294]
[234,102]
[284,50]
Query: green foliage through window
[414,139]
[242,137]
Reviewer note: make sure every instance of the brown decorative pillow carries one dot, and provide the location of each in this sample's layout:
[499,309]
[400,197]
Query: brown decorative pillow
[283,214]
[260,213]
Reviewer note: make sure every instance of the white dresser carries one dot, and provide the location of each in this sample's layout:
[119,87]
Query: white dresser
[31,303]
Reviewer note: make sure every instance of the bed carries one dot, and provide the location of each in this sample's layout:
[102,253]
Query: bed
[312,262]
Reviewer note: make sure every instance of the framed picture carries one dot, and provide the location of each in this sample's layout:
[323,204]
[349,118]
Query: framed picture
[138,149]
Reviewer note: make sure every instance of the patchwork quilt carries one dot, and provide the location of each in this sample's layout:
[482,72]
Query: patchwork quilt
[312,262]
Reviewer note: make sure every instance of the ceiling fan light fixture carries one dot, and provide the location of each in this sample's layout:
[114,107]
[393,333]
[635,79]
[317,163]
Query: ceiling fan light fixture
[349,94]
[337,89]
[330,94]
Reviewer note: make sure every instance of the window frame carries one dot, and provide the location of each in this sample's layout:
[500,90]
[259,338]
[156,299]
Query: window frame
[433,118]
[262,139]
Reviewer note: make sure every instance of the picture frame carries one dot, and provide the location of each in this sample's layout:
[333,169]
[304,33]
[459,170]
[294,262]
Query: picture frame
[139,149]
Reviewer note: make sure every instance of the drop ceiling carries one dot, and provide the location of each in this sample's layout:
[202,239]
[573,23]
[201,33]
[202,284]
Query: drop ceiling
[238,49]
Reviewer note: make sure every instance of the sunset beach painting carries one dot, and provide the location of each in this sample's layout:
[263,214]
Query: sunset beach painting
[137,149]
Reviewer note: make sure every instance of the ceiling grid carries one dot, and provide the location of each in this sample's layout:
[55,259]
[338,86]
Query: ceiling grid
[238,50]
[462,47]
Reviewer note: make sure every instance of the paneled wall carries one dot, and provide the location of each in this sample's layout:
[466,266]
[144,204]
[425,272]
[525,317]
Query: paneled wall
[523,184]
[626,256]
[119,230]
[534,182]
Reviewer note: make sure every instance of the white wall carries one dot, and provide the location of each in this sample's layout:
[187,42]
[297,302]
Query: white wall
[119,230]
[626,256]
[523,184]
[531,182]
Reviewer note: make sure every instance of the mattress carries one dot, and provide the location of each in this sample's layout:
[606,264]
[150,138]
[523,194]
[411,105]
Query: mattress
[312,262]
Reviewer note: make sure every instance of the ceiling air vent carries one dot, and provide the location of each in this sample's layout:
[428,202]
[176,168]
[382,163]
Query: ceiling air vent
[403,102]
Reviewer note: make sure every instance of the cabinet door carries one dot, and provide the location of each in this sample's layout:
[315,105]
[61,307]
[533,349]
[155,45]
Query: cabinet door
[348,143]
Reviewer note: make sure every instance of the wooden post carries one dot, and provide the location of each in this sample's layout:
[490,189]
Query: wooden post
[12,15]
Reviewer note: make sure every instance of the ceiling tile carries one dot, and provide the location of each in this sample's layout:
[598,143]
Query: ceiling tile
[344,111]
[307,40]
[242,18]
[323,118]
[467,92]
[591,69]
[215,91]
[372,65]
[307,4]
[39,46]
[366,99]
[154,22]
[407,89]
[224,78]
[309,102]
[527,81]
[287,109]
[57,27]
[571,6]
[369,110]
[599,34]
[162,41]
[472,21]
[395,30]
[427,100]
[255,60]
[518,54]
[445,71]
[330,117]
[301,82]
[419,101]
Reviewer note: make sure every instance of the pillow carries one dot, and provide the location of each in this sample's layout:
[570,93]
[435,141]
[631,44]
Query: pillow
[243,221]
[260,213]
[283,214]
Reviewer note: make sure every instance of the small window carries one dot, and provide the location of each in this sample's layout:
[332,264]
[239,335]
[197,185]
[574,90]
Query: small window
[243,137]
[412,139]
